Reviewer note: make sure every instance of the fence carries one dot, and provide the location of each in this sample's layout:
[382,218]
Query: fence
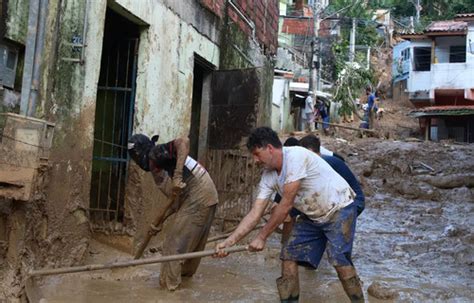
[235,176]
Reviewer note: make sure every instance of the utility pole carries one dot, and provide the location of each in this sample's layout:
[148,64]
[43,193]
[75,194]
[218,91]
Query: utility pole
[320,65]
[352,41]
[315,39]
[417,4]
[418,9]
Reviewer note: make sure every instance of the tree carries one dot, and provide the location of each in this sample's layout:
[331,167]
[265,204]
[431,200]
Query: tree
[431,9]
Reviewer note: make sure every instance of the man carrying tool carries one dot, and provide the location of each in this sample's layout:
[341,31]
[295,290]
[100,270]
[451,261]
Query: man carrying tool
[185,181]
[308,183]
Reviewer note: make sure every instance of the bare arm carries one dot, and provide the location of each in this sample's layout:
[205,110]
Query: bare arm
[182,151]
[245,226]
[278,216]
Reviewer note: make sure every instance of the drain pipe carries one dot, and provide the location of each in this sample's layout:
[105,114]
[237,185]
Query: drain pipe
[241,14]
[35,81]
[30,46]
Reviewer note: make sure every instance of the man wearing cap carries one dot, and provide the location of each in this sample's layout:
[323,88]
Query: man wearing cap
[177,174]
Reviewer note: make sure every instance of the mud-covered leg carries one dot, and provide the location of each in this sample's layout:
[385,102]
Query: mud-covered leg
[350,282]
[170,275]
[190,266]
[288,284]
[181,236]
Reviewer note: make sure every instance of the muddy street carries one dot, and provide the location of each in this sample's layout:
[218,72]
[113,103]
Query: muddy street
[414,242]
[140,129]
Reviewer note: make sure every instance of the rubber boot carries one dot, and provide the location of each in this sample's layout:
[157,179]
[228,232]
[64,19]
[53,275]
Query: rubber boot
[353,289]
[289,289]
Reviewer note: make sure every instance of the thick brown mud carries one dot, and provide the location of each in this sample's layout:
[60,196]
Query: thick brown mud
[414,241]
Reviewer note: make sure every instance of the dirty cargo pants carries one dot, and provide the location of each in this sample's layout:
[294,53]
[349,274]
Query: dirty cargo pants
[188,230]
[186,233]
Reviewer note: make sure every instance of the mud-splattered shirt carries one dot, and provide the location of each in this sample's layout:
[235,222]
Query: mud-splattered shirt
[199,186]
[322,192]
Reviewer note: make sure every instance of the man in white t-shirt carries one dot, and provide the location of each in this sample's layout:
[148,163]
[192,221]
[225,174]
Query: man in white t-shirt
[328,215]
[309,112]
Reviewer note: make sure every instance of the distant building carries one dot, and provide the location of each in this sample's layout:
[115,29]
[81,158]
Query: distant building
[434,69]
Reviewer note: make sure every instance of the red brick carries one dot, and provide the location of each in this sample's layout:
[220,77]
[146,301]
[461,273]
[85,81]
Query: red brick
[233,15]
[215,6]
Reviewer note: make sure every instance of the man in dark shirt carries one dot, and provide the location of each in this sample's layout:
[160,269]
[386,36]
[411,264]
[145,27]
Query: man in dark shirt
[371,108]
[177,174]
[313,143]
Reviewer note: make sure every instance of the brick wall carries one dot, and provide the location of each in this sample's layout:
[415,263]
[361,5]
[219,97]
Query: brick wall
[215,6]
[263,13]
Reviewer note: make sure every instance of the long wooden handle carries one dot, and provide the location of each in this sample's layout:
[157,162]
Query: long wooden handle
[91,267]
[228,233]
[158,220]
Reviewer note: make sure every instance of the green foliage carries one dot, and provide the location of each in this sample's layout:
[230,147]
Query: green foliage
[431,9]
[367,35]
[352,80]
[355,9]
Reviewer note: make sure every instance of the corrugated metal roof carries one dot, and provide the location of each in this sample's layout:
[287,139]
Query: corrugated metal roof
[445,110]
[410,36]
[467,15]
[446,26]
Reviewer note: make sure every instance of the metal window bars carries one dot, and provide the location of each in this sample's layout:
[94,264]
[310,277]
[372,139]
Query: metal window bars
[113,125]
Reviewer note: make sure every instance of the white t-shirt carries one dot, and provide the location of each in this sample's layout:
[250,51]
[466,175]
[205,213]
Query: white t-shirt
[325,151]
[322,192]
[309,106]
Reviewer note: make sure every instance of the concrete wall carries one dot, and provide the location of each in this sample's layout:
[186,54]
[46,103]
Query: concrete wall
[418,80]
[17,20]
[63,100]
[443,44]
[67,97]
[452,75]
[282,120]
[278,101]
[470,42]
[165,69]
[443,75]
[172,32]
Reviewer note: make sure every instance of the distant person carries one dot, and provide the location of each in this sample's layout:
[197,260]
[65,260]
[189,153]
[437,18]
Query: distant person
[309,111]
[323,115]
[371,107]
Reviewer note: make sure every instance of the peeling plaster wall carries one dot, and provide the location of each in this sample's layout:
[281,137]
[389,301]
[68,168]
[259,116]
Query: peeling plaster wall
[17,20]
[54,226]
[165,69]
[164,90]
[67,96]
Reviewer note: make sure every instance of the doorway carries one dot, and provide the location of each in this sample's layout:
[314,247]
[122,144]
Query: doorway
[200,108]
[113,119]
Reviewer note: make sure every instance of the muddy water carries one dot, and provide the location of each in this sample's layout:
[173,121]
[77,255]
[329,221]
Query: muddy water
[414,237]
[239,278]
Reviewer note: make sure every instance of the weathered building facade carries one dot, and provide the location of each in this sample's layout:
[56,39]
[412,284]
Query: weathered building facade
[435,68]
[107,69]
